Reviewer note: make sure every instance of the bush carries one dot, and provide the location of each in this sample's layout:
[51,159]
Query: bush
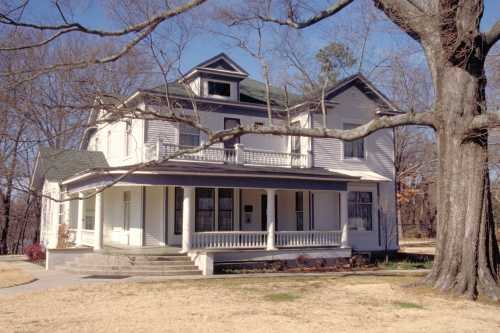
[34,252]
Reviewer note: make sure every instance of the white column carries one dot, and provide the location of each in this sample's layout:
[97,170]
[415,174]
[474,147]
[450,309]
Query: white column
[344,219]
[270,219]
[80,217]
[98,224]
[239,152]
[187,218]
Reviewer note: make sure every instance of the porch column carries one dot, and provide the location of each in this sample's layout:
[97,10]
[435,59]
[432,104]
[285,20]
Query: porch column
[98,225]
[80,217]
[344,217]
[270,219]
[187,218]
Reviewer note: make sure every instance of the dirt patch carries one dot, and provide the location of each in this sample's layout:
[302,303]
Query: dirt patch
[11,275]
[291,304]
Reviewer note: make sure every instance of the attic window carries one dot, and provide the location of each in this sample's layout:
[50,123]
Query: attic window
[219,88]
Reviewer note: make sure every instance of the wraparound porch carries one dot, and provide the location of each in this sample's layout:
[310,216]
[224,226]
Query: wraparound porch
[234,218]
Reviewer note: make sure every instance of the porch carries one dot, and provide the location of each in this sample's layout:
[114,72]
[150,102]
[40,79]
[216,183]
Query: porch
[213,219]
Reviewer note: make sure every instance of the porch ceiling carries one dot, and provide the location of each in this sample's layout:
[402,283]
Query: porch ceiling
[215,175]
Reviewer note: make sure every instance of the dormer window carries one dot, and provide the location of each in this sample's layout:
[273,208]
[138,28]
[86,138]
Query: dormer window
[218,88]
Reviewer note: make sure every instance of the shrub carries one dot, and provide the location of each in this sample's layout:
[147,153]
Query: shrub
[34,252]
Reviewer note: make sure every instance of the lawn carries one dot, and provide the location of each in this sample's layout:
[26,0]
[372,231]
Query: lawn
[291,304]
[10,275]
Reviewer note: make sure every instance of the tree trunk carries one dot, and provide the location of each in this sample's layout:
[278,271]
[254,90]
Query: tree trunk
[467,256]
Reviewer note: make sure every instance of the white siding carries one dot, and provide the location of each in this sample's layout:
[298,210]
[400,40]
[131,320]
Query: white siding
[50,214]
[154,216]
[353,106]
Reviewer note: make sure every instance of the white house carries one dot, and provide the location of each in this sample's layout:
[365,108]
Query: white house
[257,197]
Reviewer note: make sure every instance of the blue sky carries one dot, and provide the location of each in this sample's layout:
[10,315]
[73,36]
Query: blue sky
[93,15]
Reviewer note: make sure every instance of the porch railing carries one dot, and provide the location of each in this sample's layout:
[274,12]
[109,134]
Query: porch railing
[258,239]
[88,237]
[239,155]
[229,239]
[308,238]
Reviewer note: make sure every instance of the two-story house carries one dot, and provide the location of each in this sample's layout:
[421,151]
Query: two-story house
[251,198]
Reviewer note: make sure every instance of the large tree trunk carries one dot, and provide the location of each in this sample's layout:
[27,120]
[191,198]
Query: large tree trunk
[467,257]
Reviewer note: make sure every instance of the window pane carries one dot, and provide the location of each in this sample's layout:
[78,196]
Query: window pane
[179,198]
[225,209]
[360,210]
[355,148]
[219,88]
[188,135]
[204,209]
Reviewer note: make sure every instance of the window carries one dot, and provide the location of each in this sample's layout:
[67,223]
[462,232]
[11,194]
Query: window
[228,124]
[219,88]
[295,140]
[179,198]
[188,136]
[204,220]
[108,144]
[299,210]
[355,148]
[89,213]
[258,124]
[128,137]
[225,209]
[360,210]
[126,210]
[96,143]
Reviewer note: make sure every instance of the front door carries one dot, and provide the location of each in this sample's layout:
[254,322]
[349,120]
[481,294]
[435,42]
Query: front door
[263,212]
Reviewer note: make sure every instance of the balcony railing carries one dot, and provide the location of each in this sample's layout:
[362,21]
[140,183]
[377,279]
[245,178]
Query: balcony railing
[258,239]
[239,155]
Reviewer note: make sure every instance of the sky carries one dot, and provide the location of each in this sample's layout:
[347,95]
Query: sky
[92,14]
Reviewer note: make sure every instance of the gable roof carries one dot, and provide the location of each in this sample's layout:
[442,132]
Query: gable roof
[218,64]
[360,81]
[58,164]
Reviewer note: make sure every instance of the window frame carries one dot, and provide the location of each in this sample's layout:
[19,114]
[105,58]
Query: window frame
[221,190]
[183,133]
[347,126]
[127,209]
[128,137]
[178,210]
[212,81]
[370,204]
[198,190]
[299,212]
[295,141]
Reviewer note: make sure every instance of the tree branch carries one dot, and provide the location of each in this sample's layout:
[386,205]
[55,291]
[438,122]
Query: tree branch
[61,29]
[492,36]
[290,21]
[484,121]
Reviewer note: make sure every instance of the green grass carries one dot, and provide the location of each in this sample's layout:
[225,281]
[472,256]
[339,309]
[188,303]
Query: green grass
[281,297]
[408,305]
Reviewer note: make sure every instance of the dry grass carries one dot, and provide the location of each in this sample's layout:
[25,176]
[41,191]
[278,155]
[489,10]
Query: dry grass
[10,275]
[319,304]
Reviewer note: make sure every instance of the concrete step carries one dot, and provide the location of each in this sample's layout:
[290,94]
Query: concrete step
[79,261]
[106,257]
[131,272]
[130,267]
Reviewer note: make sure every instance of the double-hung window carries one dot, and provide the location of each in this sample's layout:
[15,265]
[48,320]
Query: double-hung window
[205,209]
[179,198]
[225,209]
[189,136]
[299,210]
[126,210]
[360,206]
[128,137]
[355,148]
[295,140]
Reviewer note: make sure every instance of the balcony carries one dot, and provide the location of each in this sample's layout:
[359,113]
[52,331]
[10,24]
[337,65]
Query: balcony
[238,156]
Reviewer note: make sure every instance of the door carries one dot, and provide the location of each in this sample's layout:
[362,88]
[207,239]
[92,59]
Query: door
[228,124]
[263,212]
[154,221]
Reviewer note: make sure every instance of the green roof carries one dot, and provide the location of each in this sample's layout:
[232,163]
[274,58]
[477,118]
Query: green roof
[251,91]
[57,164]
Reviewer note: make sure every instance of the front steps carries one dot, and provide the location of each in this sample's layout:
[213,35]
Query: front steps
[103,264]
